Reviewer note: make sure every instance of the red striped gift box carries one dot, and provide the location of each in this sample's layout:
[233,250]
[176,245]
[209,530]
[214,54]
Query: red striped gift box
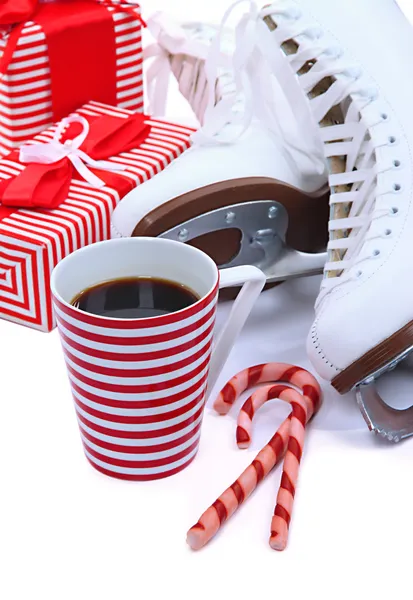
[33,241]
[29,51]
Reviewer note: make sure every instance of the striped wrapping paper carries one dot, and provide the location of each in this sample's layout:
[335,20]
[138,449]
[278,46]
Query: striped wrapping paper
[32,242]
[25,93]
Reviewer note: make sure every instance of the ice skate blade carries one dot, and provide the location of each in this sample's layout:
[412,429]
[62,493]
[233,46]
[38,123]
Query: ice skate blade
[263,226]
[304,216]
[392,424]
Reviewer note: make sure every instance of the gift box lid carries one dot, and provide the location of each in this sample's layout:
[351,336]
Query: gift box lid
[63,55]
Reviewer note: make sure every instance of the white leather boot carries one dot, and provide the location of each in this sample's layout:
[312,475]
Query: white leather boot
[244,191]
[352,63]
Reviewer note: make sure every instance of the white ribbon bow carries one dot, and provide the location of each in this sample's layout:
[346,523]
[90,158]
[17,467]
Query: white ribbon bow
[54,151]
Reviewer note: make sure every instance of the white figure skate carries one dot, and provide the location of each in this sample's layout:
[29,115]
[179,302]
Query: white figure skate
[357,88]
[245,192]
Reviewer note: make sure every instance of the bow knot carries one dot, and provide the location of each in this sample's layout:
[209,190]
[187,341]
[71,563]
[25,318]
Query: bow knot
[55,151]
[46,179]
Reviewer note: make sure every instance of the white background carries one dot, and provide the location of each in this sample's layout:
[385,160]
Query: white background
[67,532]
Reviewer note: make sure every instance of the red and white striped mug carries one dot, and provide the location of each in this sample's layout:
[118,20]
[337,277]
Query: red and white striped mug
[139,385]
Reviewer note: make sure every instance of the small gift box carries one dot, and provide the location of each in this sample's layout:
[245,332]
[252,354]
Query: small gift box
[56,56]
[58,192]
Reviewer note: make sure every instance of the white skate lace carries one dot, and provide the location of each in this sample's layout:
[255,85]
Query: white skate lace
[246,84]
[273,100]
[273,83]
[312,62]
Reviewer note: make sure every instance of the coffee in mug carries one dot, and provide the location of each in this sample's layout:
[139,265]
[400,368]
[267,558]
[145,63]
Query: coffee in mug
[135,298]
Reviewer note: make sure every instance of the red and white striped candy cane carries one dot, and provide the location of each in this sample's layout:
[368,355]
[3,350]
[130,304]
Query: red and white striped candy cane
[288,440]
[225,506]
[266,373]
[280,522]
[303,408]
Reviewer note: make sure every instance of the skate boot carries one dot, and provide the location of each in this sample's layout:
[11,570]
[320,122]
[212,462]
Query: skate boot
[248,191]
[358,90]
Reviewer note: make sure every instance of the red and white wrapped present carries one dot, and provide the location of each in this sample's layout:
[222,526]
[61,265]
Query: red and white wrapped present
[58,192]
[56,56]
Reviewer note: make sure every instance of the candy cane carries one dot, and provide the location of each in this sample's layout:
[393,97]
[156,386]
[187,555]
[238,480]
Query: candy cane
[303,408]
[280,522]
[288,440]
[275,372]
[225,506]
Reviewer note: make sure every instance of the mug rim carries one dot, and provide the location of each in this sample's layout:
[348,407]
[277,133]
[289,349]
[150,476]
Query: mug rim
[90,316]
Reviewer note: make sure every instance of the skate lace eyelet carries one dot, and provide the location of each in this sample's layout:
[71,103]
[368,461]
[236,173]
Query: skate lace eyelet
[392,140]
[393,211]
[387,232]
[376,253]
[359,274]
[397,164]
[397,187]
[384,116]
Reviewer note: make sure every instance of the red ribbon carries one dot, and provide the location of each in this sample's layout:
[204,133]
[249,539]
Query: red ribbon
[16,11]
[81,48]
[47,186]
